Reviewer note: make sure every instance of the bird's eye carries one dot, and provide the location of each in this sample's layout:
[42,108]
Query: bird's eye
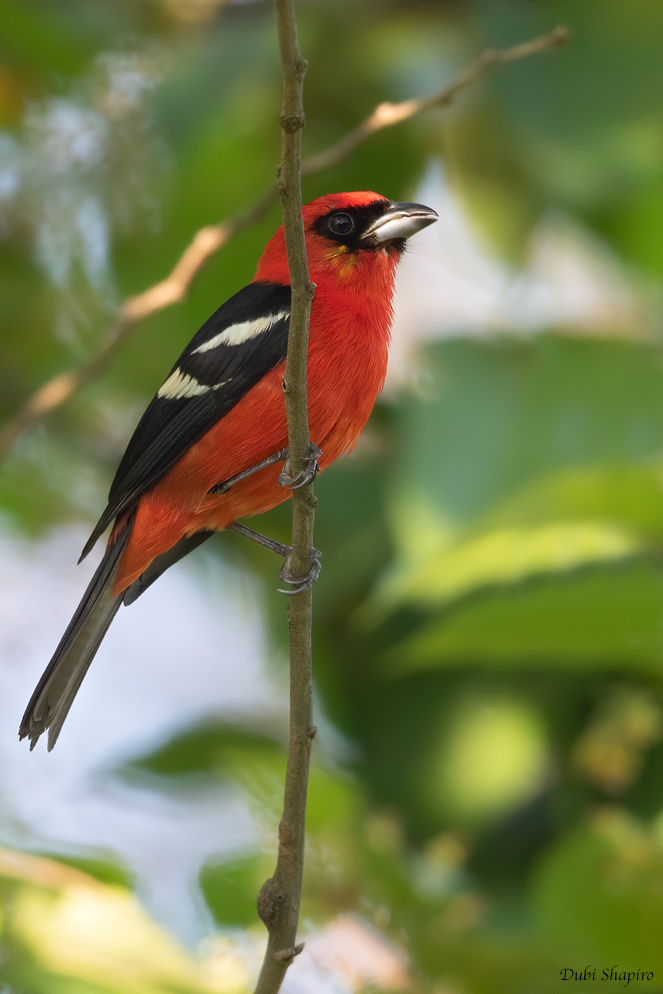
[341,224]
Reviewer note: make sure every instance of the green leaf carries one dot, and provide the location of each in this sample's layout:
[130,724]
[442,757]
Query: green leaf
[489,756]
[107,871]
[501,416]
[510,555]
[525,459]
[594,619]
[232,752]
[599,893]
[230,889]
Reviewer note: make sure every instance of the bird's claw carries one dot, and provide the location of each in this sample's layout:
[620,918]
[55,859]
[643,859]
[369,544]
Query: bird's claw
[300,583]
[306,475]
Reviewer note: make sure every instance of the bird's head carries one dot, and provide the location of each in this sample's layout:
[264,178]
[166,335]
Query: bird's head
[347,234]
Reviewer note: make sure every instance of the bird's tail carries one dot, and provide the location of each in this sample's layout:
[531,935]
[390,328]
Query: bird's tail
[55,692]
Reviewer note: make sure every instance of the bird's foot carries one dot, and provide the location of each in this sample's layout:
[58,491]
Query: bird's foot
[300,583]
[305,475]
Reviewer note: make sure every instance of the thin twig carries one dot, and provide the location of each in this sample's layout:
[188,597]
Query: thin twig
[280,896]
[386,115]
[156,298]
[212,238]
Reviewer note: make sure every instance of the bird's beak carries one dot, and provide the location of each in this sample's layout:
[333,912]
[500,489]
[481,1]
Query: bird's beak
[400,221]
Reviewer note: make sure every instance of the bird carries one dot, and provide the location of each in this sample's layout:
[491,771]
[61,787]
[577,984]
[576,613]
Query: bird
[207,450]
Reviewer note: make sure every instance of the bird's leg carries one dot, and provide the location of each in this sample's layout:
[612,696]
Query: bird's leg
[268,543]
[299,584]
[225,485]
[307,475]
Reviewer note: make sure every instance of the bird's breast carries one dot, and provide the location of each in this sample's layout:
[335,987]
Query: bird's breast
[347,363]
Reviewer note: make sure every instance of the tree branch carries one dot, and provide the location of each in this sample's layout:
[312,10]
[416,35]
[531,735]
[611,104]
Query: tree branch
[386,115]
[210,239]
[280,896]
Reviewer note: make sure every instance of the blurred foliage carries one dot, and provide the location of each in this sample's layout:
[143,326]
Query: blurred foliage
[64,932]
[488,620]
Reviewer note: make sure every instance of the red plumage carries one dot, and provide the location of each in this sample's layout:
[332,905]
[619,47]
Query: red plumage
[347,361]
[221,411]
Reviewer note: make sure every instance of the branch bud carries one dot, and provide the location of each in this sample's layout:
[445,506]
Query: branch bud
[293,122]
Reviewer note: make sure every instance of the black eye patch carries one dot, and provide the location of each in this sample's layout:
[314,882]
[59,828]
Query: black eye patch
[347,226]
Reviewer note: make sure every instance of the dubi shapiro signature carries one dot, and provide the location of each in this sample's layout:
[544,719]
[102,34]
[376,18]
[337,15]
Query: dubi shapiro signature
[607,973]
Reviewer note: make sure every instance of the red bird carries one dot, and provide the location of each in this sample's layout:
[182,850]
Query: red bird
[207,449]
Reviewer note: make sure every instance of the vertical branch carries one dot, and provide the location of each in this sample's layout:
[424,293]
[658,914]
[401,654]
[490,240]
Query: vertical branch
[279,898]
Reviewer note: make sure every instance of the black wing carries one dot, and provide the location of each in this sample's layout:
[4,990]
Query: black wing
[242,341]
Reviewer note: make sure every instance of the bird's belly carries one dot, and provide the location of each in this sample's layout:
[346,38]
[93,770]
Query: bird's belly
[341,399]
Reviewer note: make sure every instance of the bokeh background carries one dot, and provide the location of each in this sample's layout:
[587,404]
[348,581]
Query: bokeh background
[486,803]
